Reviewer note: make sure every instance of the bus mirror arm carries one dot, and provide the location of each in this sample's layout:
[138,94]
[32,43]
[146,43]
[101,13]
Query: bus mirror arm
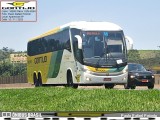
[79,41]
[129,41]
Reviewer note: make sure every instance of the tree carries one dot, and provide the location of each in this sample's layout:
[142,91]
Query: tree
[7,68]
[4,53]
[133,56]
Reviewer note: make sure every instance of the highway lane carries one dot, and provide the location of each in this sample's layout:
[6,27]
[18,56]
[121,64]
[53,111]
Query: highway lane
[120,87]
[26,85]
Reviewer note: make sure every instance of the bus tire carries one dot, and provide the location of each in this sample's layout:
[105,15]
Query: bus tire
[109,86]
[40,79]
[126,86]
[70,81]
[35,80]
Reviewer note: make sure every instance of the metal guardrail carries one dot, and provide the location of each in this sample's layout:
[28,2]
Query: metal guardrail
[157,79]
[13,79]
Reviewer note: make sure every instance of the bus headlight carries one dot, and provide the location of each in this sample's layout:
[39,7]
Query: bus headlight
[125,70]
[88,79]
[152,76]
[84,69]
[87,71]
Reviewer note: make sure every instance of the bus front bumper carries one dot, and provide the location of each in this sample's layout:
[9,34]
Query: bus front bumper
[88,78]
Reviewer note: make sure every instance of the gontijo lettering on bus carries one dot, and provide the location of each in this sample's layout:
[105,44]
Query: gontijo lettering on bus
[42,59]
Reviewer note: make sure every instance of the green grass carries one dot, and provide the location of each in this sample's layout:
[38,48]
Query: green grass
[68,99]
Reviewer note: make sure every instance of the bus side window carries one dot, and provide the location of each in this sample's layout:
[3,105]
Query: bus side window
[68,46]
[66,40]
[75,45]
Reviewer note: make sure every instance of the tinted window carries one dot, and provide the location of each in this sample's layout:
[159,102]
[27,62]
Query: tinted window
[54,42]
[136,67]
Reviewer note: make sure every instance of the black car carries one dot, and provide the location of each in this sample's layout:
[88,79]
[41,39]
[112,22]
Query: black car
[139,76]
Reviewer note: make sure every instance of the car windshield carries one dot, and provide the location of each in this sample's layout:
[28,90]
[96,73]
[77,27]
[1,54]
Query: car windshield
[136,67]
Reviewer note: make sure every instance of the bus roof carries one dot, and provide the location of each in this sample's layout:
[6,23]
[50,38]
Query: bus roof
[93,26]
[90,26]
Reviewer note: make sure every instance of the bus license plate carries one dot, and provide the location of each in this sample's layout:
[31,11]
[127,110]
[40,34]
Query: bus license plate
[107,79]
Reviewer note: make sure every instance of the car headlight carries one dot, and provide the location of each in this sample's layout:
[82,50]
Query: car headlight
[132,76]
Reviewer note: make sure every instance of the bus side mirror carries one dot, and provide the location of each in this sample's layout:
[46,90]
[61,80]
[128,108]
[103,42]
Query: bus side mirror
[129,42]
[79,41]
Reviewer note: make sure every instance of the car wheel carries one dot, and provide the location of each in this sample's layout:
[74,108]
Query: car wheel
[151,86]
[133,87]
[109,86]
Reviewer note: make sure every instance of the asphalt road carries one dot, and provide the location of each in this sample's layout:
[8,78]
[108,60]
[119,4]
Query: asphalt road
[26,85]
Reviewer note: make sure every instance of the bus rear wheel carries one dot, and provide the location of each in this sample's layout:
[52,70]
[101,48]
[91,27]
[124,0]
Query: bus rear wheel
[40,79]
[70,81]
[35,80]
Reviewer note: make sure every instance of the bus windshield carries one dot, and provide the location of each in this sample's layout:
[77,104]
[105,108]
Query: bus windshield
[102,47]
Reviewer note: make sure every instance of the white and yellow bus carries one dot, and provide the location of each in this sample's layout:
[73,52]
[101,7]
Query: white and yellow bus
[79,53]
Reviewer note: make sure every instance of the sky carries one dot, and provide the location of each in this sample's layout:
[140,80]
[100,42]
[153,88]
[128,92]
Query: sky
[140,20]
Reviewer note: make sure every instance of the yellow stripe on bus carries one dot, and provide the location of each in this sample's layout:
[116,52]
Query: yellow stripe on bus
[47,33]
[93,69]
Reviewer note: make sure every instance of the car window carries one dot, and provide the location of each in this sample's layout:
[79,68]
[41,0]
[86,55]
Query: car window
[136,67]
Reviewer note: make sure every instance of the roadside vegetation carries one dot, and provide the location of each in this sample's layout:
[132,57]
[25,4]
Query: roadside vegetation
[69,99]
[6,67]
[149,58]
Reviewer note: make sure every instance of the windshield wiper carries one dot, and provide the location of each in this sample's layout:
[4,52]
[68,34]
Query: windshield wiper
[109,56]
[97,64]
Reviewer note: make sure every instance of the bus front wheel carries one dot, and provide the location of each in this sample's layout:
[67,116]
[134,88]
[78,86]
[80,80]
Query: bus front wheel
[109,86]
[126,86]
[70,80]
